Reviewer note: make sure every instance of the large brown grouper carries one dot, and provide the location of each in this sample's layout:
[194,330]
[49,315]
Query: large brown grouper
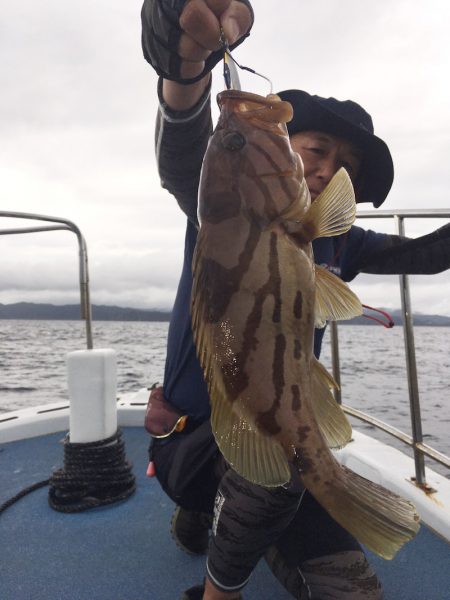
[256,299]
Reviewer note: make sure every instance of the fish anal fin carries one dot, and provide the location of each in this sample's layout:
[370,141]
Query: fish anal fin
[256,457]
[330,417]
[334,300]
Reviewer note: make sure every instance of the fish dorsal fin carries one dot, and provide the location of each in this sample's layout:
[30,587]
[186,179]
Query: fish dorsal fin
[256,457]
[330,417]
[334,299]
[332,212]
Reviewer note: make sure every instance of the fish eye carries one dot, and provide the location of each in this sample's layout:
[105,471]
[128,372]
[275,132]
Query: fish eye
[233,140]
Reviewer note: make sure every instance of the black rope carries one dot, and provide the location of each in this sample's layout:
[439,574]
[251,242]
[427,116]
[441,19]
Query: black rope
[22,493]
[94,474]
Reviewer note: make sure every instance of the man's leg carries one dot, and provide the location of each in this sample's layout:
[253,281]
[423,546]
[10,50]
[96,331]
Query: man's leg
[247,519]
[190,530]
[317,559]
[193,494]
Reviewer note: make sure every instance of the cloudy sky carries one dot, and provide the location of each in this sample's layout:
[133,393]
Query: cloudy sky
[77,109]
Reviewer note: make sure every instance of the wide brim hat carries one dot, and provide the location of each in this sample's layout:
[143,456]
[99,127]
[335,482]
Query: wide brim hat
[349,120]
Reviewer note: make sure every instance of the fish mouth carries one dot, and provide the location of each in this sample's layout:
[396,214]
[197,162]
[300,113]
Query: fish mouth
[266,108]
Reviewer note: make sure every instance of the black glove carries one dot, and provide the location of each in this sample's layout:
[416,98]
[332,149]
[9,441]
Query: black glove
[161,34]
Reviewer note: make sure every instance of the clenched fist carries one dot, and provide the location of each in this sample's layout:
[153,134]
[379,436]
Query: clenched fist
[182,39]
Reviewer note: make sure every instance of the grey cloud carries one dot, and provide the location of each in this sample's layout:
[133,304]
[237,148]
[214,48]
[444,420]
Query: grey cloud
[62,67]
[77,114]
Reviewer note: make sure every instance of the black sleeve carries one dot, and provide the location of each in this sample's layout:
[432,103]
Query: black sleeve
[181,138]
[425,255]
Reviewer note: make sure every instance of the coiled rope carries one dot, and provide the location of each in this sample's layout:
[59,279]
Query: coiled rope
[94,474]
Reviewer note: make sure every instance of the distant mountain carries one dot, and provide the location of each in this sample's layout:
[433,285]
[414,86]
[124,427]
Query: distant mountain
[71,312]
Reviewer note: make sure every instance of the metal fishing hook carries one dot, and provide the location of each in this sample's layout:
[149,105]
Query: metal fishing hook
[230,72]
[231,63]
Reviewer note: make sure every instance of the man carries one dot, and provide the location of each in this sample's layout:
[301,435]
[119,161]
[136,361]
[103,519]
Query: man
[308,552]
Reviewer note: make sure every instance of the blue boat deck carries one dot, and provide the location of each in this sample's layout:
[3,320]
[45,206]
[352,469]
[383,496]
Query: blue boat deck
[125,552]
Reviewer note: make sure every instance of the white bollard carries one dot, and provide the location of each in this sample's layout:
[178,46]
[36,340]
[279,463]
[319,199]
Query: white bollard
[92,384]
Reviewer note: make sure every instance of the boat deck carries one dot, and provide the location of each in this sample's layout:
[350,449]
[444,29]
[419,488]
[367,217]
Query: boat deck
[125,552]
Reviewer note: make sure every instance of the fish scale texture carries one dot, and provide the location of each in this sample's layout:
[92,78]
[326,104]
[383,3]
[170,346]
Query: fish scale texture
[125,552]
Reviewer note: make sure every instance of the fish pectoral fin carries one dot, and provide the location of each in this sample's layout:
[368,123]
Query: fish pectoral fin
[256,457]
[330,417]
[332,212]
[334,300]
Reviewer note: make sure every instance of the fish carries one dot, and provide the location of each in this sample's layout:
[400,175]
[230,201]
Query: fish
[257,297]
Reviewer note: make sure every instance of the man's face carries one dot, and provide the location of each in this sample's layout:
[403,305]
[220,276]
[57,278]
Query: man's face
[323,155]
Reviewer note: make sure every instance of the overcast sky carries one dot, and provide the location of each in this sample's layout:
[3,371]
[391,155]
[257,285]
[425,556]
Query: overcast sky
[77,111]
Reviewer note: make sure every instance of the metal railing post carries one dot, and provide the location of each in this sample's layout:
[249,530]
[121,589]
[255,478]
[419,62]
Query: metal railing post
[334,338]
[411,368]
[61,225]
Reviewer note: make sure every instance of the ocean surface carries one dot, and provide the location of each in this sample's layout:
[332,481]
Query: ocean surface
[373,371]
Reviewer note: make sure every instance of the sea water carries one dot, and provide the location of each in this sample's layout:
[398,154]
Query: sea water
[373,368]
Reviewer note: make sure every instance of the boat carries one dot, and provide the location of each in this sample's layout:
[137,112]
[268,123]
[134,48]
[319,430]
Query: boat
[121,549]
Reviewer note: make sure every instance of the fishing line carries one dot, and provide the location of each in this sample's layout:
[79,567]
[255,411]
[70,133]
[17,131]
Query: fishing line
[227,74]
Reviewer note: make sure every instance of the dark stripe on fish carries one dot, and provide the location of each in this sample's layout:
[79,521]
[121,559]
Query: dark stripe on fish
[274,270]
[217,298]
[278,366]
[271,208]
[298,305]
[226,205]
[267,420]
[296,403]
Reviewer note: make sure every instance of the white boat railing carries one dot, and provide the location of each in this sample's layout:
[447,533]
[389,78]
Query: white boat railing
[61,224]
[415,441]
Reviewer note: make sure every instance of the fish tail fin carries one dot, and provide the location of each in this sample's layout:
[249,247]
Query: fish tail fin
[375,516]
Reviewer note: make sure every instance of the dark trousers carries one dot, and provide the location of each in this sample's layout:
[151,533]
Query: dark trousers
[311,555]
